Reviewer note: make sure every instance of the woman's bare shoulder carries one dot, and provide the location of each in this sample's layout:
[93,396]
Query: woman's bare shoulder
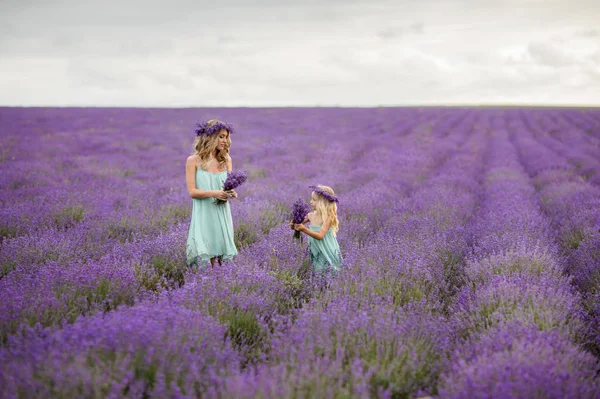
[192,160]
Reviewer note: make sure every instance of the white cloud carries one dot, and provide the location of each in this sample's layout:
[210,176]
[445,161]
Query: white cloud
[311,53]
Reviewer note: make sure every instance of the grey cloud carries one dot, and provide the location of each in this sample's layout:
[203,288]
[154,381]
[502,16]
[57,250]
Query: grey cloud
[116,75]
[588,33]
[226,39]
[87,43]
[418,27]
[549,54]
[391,33]
[173,80]
[103,76]
[138,47]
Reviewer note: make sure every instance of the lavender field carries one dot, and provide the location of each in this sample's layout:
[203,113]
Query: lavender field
[470,238]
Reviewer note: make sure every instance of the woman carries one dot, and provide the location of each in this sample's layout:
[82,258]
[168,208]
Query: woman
[210,236]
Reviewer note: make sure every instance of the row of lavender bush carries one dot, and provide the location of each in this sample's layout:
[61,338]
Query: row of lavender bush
[454,280]
[517,309]
[572,203]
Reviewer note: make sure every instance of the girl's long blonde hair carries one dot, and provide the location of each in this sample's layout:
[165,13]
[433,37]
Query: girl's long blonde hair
[205,146]
[326,209]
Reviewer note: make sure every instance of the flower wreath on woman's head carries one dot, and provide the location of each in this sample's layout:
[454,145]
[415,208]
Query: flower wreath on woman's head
[329,197]
[203,128]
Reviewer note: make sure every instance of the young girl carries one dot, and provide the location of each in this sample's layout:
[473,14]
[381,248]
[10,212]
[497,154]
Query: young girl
[324,249]
[210,236]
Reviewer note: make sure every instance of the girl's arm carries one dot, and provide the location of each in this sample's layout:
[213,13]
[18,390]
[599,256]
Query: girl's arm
[190,180]
[306,219]
[314,234]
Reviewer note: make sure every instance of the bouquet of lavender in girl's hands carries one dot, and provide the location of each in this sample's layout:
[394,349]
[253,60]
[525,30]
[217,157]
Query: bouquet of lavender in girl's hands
[299,211]
[233,181]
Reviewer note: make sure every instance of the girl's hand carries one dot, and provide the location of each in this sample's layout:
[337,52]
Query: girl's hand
[291,224]
[232,193]
[299,227]
[220,194]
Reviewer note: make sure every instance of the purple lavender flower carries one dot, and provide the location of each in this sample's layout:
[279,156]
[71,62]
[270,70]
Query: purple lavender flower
[202,128]
[324,194]
[299,211]
[516,361]
[470,250]
[233,181]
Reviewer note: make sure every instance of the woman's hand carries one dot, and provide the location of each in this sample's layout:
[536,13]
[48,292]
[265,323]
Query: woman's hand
[291,224]
[220,194]
[232,193]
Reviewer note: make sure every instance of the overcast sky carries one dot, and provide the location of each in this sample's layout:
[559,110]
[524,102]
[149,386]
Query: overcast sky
[279,52]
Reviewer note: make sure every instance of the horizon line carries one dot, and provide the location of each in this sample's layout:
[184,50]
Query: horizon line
[441,105]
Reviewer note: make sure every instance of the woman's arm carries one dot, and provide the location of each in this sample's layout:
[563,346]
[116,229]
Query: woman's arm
[314,234]
[190,180]
[231,193]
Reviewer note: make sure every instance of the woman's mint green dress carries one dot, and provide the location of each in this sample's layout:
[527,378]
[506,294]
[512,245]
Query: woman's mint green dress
[211,226]
[325,254]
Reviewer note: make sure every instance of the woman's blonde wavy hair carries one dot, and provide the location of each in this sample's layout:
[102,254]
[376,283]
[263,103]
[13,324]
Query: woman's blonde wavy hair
[205,146]
[326,209]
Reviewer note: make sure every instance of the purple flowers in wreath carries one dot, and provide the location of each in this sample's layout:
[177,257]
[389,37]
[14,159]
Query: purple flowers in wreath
[324,194]
[299,211]
[202,128]
[233,181]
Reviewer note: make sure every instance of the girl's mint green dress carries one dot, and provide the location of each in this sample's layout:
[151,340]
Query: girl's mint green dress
[211,227]
[325,254]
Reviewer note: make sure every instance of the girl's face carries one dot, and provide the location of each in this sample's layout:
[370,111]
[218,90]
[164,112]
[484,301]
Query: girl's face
[313,202]
[222,140]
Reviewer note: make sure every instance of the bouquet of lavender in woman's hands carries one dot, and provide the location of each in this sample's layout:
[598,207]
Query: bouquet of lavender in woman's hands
[299,211]
[233,181]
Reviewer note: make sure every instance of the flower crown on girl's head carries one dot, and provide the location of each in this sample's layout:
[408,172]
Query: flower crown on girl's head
[203,128]
[329,197]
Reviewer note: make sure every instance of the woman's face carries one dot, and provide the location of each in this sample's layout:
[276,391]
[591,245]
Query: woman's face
[222,139]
